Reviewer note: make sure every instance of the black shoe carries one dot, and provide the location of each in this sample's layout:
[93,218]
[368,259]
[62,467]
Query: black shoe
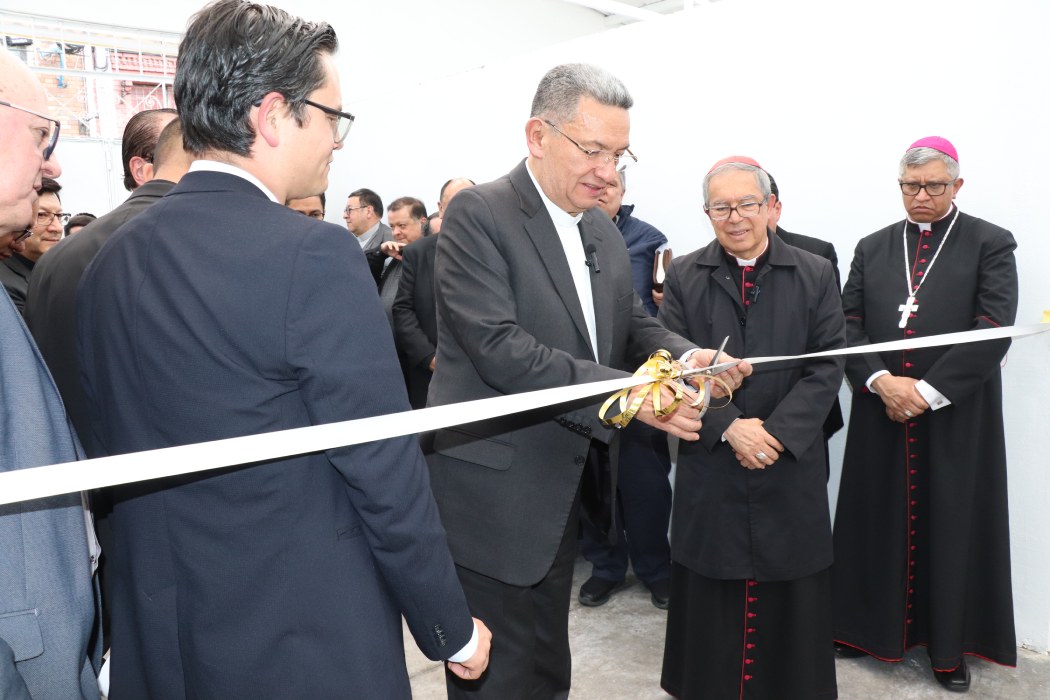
[597,591]
[845,651]
[957,680]
[661,593]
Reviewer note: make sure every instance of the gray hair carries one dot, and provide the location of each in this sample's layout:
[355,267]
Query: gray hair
[623,180]
[560,90]
[921,156]
[761,179]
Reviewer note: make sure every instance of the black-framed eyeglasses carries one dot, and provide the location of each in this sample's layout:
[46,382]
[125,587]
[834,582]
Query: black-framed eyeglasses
[350,209]
[620,161]
[341,121]
[934,189]
[44,218]
[52,135]
[721,212]
[22,236]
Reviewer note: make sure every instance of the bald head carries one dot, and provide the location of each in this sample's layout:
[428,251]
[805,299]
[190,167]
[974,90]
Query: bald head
[449,190]
[170,159]
[24,135]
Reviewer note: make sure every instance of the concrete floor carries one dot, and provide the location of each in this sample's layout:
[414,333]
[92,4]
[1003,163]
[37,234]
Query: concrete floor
[630,622]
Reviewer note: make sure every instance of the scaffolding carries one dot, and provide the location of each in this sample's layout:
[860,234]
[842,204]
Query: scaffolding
[96,75]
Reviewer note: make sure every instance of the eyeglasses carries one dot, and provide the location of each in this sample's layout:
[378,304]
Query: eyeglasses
[934,189]
[350,209]
[49,135]
[44,218]
[721,212]
[341,121]
[619,160]
[22,236]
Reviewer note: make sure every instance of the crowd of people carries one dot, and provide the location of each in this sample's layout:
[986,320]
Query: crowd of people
[206,307]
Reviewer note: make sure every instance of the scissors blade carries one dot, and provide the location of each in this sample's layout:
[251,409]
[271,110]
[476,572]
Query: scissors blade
[711,370]
[721,349]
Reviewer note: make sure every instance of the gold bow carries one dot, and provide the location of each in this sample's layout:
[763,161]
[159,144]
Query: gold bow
[663,371]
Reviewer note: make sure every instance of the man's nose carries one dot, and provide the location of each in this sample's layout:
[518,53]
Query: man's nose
[51,167]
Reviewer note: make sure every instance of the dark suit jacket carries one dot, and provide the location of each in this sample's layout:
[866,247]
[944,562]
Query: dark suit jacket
[826,250]
[415,317]
[15,272]
[50,308]
[510,320]
[774,524]
[219,313]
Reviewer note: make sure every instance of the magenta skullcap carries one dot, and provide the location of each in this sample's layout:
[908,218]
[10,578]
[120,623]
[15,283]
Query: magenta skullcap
[744,160]
[937,143]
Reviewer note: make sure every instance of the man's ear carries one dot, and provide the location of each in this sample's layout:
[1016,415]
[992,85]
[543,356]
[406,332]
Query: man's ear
[536,136]
[141,170]
[268,116]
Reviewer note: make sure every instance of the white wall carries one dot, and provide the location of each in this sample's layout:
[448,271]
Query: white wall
[827,96]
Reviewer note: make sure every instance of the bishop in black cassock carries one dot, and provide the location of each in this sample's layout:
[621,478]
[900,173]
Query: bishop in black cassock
[750,613]
[922,551]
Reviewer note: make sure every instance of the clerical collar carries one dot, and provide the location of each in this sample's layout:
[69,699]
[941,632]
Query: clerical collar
[751,263]
[928,226]
[559,216]
[230,169]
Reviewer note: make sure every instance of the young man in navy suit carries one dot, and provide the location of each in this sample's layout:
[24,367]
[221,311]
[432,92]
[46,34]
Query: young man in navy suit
[220,312]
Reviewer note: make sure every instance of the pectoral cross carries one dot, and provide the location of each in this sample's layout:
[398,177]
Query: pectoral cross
[907,308]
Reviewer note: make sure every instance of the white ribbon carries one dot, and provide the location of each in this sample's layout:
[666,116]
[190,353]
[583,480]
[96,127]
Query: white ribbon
[55,479]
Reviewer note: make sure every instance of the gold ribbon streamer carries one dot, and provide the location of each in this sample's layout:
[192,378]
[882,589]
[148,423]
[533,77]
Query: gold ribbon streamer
[663,371]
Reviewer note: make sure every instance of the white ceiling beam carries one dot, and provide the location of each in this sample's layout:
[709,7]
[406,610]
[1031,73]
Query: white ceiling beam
[613,7]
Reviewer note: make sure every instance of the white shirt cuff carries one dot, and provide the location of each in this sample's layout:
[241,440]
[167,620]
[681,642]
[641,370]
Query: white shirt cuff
[873,378]
[466,652]
[933,397]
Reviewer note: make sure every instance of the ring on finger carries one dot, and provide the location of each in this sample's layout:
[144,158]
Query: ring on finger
[760,456]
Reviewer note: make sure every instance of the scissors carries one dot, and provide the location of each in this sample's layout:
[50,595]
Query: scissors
[710,371]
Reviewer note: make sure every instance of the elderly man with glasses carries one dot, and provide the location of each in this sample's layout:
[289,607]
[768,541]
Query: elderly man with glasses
[47,552]
[922,545]
[750,613]
[45,233]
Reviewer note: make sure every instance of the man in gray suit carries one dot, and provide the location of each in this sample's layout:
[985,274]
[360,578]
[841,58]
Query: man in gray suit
[48,638]
[534,291]
[362,215]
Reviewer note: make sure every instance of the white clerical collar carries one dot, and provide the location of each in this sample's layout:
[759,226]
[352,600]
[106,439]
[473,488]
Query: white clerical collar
[751,263]
[219,167]
[925,226]
[559,216]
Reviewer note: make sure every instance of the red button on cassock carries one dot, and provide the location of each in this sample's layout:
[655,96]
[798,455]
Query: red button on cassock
[909,332]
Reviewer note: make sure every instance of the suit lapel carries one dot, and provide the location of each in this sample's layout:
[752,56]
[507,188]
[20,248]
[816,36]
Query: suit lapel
[549,249]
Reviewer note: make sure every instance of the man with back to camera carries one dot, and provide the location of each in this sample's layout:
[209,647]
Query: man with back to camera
[922,537]
[286,578]
[415,313]
[49,641]
[51,303]
[534,291]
